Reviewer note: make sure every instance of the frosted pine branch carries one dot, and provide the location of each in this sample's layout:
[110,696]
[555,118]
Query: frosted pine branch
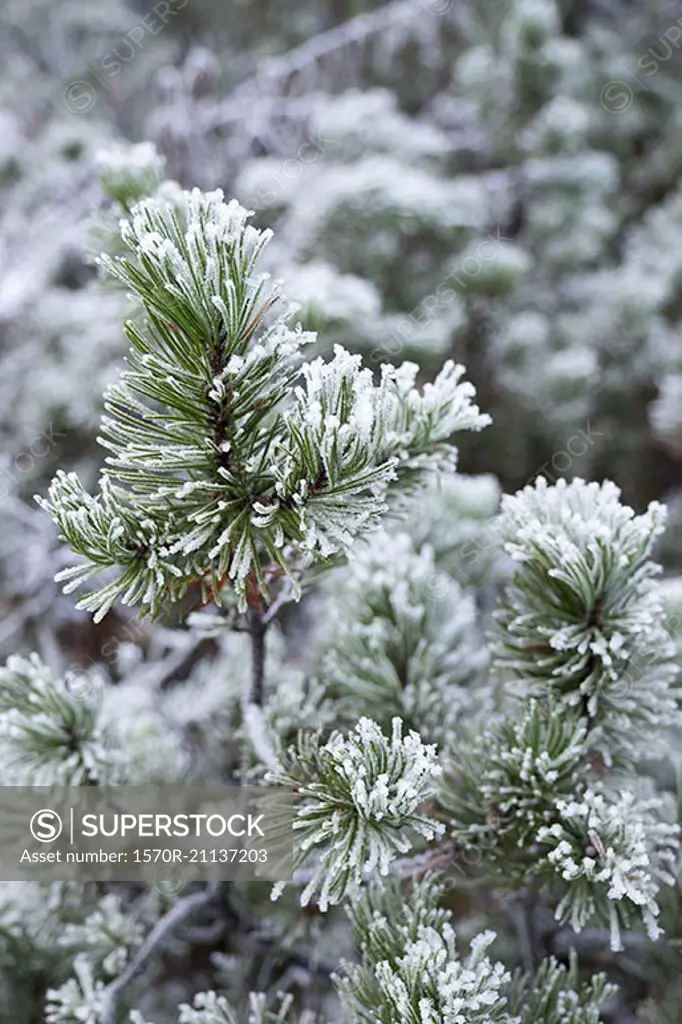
[582,617]
[48,735]
[612,857]
[360,798]
[221,463]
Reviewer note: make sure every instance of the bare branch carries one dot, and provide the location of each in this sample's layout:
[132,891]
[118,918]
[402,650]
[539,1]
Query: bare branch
[161,931]
[257,629]
[284,597]
[357,30]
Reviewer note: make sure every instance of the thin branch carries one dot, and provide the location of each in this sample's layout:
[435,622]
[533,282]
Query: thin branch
[284,597]
[161,931]
[204,935]
[434,859]
[356,30]
[257,630]
[177,667]
[520,915]
[405,867]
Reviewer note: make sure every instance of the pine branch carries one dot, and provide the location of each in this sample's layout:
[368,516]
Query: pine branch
[392,650]
[582,620]
[220,464]
[360,799]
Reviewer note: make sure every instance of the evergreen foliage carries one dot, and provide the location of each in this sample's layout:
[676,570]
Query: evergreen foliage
[48,737]
[225,470]
[556,996]
[361,793]
[581,614]
[487,184]
[394,650]
[208,472]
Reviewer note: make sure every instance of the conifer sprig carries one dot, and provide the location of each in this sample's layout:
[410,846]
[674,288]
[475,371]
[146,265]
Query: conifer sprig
[360,800]
[220,463]
[582,619]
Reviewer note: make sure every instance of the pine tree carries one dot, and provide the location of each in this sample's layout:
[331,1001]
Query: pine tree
[240,470]
[532,131]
